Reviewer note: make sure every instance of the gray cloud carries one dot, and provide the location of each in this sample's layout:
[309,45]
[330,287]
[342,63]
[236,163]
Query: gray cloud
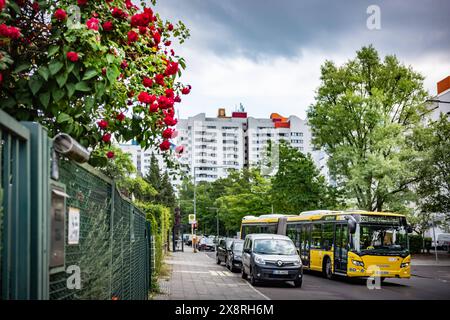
[261,28]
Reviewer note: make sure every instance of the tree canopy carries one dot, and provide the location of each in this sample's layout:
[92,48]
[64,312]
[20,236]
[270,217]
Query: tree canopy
[365,116]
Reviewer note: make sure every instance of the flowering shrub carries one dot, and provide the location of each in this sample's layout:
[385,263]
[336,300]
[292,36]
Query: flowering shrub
[94,69]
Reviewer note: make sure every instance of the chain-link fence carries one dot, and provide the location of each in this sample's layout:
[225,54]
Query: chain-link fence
[113,252]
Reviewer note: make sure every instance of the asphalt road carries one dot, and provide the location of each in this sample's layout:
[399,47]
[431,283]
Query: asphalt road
[427,282]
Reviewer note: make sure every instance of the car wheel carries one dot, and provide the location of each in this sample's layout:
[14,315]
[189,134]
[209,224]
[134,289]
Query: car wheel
[243,274]
[252,279]
[298,283]
[328,270]
[218,259]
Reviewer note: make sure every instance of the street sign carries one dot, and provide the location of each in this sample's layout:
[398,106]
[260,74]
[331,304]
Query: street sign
[192,219]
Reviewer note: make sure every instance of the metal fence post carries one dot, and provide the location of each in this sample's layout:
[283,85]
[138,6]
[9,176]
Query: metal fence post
[111,238]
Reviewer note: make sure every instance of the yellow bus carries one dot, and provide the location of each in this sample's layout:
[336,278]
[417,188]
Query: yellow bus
[351,243]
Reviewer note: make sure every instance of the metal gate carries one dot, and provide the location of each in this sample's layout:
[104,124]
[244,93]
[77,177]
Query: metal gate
[24,169]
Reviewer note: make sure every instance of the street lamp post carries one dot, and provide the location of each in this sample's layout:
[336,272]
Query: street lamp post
[217,218]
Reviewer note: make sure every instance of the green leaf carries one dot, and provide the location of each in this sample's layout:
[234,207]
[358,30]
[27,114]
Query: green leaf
[90,73]
[110,58]
[61,79]
[82,86]
[70,89]
[35,83]
[52,50]
[58,94]
[9,102]
[112,73]
[43,71]
[76,73]
[44,98]
[64,117]
[55,66]
[22,67]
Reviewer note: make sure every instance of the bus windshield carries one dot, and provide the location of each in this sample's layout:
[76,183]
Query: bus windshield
[380,239]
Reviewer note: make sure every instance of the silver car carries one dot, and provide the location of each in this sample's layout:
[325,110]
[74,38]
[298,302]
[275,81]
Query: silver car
[271,257]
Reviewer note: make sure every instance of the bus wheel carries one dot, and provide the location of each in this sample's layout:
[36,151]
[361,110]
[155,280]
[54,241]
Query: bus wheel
[327,270]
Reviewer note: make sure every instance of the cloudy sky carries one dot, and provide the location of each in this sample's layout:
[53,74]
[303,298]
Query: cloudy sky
[266,54]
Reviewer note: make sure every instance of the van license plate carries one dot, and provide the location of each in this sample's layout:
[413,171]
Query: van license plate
[280,272]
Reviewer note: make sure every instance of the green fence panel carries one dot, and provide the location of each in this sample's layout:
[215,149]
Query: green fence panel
[113,247]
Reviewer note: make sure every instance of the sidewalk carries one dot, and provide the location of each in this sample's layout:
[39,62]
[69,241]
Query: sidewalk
[425,259]
[195,276]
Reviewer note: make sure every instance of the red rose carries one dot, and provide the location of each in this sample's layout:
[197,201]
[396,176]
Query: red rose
[172,68]
[92,24]
[106,137]
[132,36]
[110,154]
[167,43]
[124,64]
[169,93]
[165,145]
[103,124]
[156,38]
[177,99]
[107,26]
[147,82]
[159,79]
[167,134]
[9,32]
[142,30]
[144,97]
[120,116]
[2,4]
[60,15]
[82,2]
[129,4]
[165,103]
[185,90]
[170,27]
[118,13]
[170,121]
[72,56]
[35,6]
[153,107]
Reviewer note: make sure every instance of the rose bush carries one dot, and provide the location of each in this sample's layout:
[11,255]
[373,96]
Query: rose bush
[92,69]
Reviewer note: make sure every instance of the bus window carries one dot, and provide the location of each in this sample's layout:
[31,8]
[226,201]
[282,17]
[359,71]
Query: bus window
[316,236]
[272,228]
[293,232]
[327,236]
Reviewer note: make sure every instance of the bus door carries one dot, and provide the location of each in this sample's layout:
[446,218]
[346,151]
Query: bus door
[305,235]
[341,248]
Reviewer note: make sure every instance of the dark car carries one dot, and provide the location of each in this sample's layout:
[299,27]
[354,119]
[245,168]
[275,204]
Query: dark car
[234,256]
[222,250]
[271,257]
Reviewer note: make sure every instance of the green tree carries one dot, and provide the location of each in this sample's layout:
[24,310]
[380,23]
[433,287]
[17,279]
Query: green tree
[118,167]
[363,117]
[153,175]
[434,188]
[298,185]
[246,193]
[166,195]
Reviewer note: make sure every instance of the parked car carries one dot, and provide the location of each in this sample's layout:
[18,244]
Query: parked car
[443,241]
[271,257]
[222,250]
[207,244]
[234,255]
